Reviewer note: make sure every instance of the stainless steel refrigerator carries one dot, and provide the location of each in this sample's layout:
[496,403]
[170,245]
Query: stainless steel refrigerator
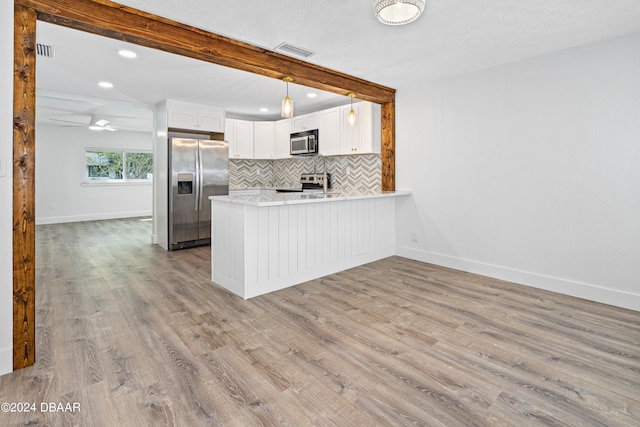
[198,169]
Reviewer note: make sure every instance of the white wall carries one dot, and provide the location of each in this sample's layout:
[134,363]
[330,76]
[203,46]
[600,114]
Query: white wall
[6,186]
[60,164]
[529,171]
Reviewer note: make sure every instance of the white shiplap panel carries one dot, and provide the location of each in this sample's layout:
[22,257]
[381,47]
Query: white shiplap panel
[350,229]
[293,241]
[311,234]
[361,212]
[233,257]
[384,217]
[367,226]
[251,244]
[218,238]
[229,260]
[376,211]
[302,237]
[375,232]
[330,249]
[263,243]
[283,240]
[273,240]
[318,237]
[341,230]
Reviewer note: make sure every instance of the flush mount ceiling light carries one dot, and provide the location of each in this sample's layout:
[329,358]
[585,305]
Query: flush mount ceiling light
[101,122]
[287,103]
[106,85]
[397,12]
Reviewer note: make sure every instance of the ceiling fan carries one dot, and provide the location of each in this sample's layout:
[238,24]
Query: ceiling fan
[92,121]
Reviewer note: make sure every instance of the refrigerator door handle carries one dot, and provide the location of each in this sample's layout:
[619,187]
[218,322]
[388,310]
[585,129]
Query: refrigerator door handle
[198,177]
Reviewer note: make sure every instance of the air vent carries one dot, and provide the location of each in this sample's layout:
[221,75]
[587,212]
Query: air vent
[45,50]
[294,50]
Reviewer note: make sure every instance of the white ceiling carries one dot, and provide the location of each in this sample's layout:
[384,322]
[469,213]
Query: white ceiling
[452,37]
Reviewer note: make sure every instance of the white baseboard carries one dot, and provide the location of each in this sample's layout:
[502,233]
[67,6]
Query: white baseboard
[586,291]
[90,217]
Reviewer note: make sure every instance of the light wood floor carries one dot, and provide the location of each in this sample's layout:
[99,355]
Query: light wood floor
[138,336]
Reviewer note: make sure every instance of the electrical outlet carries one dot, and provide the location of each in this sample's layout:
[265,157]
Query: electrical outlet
[52,205]
[414,237]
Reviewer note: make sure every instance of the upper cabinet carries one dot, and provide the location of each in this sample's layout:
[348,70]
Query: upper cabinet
[305,122]
[364,136]
[336,137]
[239,134]
[263,140]
[190,116]
[329,132]
[282,143]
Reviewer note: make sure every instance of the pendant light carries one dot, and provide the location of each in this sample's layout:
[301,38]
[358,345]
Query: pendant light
[352,114]
[287,103]
[397,12]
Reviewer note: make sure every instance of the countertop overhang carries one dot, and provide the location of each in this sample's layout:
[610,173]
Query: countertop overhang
[268,197]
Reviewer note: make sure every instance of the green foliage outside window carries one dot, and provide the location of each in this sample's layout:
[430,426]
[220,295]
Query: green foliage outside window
[118,166]
[139,165]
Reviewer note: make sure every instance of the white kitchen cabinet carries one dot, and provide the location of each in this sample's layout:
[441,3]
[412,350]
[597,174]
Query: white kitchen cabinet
[329,132]
[271,140]
[365,136]
[282,143]
[263,140]
[239,134]
[304,122]
[200,117]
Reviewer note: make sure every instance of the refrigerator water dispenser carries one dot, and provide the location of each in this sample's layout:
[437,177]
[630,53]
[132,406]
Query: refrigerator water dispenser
[185,183]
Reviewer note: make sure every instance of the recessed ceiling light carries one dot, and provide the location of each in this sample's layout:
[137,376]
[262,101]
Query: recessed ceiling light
[106,85]
[96,128]
[127,53]
[312,95]
[264,110]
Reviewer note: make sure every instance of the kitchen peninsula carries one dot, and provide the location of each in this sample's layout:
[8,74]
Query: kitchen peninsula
[265,241]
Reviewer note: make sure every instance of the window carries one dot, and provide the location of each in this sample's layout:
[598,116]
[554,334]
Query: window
[118,166]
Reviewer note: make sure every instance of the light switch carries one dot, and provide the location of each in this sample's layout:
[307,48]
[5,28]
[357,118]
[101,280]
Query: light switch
[3,166]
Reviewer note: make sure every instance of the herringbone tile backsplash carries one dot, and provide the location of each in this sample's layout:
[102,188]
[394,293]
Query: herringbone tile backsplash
[348,173]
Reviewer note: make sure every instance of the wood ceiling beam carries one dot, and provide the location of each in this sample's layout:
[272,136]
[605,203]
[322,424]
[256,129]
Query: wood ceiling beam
[120,22]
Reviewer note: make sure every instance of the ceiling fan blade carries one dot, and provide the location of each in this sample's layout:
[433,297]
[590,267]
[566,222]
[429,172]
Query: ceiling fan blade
[73,118]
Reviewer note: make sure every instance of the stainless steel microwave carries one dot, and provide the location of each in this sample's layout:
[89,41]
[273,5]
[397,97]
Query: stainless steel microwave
[304,143]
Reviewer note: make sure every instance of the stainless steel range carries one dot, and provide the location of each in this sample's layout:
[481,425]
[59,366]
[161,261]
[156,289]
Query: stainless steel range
[310,182]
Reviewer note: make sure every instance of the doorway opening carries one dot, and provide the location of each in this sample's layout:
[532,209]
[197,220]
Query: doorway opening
[135,26]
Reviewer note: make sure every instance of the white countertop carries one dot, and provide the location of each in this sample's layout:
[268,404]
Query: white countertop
[267,197]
